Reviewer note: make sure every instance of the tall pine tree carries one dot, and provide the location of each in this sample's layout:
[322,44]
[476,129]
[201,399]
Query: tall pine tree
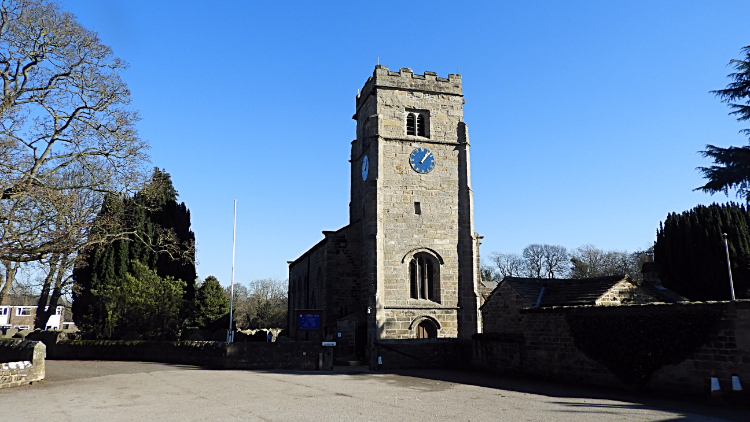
[158,236]
[690,252]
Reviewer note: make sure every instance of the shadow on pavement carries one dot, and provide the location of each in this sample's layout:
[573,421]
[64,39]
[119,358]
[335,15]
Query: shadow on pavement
[440,380]
[683,405]
[67,370]
[688,407]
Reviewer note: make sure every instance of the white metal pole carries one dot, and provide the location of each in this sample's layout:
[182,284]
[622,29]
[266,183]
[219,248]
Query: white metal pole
[230,335]
[729,267]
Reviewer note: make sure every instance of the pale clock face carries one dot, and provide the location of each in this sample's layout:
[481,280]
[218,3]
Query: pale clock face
[365,167]
[422,160]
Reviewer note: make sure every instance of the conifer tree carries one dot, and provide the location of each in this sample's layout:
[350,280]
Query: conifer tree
[731,169]
[211,302]
[158,236]
[690,252]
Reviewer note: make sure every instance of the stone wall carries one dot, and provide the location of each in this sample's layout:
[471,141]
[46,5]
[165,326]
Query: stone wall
[300,355]
[21,362]
[539,343]
[345,293]
[328,277]
[402,323]
[448,353]
[306,289]
[501,312]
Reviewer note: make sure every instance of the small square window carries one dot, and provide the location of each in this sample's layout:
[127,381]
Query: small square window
[417,208]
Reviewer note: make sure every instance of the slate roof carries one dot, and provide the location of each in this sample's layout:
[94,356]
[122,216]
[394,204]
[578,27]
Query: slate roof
[662,293]
[585,291]
[27,300]
[20,300]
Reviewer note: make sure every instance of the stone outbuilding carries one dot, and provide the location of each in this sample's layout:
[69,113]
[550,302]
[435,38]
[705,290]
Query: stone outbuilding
[501,311]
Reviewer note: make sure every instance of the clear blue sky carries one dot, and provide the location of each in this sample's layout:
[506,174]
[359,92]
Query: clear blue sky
[585,117]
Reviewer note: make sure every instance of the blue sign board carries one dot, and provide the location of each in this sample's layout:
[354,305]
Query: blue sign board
[308,321]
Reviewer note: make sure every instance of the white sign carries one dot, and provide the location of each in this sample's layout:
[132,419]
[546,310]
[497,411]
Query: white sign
[329,343]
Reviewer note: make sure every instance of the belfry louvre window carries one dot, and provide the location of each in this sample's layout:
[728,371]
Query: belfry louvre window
[415,124]
[422,277]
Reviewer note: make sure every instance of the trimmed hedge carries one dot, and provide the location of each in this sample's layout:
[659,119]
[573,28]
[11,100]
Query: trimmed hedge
[211,354]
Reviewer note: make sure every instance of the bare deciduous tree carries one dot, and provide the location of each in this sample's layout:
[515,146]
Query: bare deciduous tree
[537,261]
[534,256]
[10,269]
[508,264]
[66,132]
[589,261]
[555,261]
[262,305]
[57,282]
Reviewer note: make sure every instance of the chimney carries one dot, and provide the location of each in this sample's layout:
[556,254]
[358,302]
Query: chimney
[651,273]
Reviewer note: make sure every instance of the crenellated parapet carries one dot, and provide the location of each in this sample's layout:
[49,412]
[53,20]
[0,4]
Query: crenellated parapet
[406,79]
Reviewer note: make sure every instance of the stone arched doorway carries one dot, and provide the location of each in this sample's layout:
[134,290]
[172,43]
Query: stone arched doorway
[425,329]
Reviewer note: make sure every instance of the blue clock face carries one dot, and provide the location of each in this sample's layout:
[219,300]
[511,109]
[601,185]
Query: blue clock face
[422,160]
[365,167]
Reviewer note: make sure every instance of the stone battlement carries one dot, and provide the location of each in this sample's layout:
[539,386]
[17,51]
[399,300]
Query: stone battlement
[406,79]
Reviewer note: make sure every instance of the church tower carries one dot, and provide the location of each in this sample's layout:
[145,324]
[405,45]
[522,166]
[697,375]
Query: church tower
[412,202]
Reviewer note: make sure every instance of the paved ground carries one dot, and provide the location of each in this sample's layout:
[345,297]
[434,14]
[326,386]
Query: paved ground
[125,391]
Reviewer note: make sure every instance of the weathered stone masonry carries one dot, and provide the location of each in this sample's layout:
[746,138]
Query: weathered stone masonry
[398,214]
[21,362]
[538,342]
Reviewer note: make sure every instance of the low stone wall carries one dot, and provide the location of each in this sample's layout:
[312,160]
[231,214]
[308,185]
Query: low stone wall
[21,362]
[276,355]
[7,332]
[424,353]
[541,344]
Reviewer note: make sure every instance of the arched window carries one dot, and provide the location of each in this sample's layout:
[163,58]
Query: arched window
[307,293]
[422,277]
[416,123]
[411,124]
[425,329]
[420,125]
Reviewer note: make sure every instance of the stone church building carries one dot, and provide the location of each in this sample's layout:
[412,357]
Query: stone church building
[407,264]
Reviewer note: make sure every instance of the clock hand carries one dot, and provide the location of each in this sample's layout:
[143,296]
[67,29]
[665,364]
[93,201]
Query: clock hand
[425,157]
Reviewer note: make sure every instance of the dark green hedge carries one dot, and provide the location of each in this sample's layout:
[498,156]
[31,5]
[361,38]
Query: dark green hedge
[690,253]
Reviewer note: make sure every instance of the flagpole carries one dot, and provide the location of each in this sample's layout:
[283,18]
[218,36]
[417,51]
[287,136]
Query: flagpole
[230,334]
[729,266]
